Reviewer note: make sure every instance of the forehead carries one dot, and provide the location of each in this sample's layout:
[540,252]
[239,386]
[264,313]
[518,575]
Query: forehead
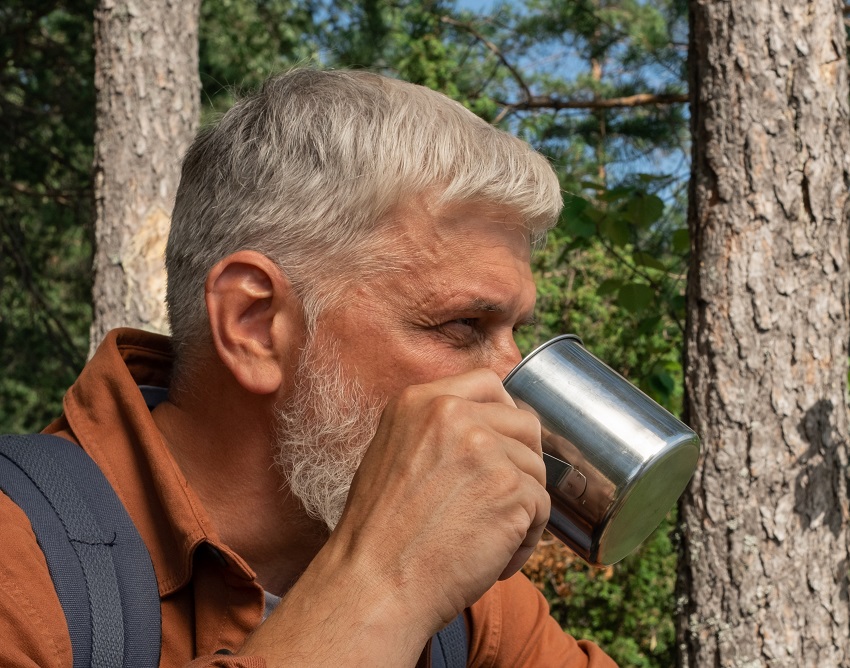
[423,230]
[472,251]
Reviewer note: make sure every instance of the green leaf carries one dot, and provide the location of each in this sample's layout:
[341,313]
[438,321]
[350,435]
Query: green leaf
[635,297]
[644,210]
[609,286]
[679,303]
[596,215]
[646,260]
[615,194]
[579,226]
[662,382]
[648,325]
[574,205]
[615,229]
[681,240]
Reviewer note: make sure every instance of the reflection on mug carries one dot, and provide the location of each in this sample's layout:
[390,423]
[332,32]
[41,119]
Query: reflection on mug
[615,460]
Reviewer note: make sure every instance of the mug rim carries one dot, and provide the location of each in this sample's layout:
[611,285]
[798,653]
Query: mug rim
[540,348]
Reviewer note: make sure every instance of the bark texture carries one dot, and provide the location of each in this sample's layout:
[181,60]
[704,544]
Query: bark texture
[148,101]
[764,571]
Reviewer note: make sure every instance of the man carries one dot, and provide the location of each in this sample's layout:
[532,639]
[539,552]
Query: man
[348,261]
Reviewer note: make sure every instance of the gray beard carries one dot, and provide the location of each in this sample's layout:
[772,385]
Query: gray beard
[323,432]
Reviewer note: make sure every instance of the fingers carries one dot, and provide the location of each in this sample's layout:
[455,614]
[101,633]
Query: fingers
[482,416]
[532,537]
[480,385]
[493,407]
[513,423]
[453,483]
[515,434]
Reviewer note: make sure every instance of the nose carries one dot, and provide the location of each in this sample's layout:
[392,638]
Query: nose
[506,356]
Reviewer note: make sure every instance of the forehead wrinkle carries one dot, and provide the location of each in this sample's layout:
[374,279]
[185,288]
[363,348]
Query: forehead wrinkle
[447,228]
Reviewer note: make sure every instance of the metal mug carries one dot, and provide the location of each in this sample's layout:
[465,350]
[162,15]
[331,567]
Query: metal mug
[616,461]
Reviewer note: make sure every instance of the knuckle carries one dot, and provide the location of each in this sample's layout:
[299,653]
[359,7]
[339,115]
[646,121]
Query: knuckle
[511,482]
[447,407]
[529,422]
[545,503]
[478,442]
[410,395]
[489,375]
[518,526]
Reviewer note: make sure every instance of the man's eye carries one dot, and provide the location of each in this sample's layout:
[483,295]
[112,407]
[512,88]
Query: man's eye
[459,327]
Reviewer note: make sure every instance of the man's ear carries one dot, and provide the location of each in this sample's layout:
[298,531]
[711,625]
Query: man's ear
[256,320]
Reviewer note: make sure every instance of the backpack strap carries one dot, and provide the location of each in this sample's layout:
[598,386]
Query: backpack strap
[99,564]
[450,647]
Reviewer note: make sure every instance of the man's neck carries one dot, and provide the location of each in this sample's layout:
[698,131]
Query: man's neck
[229,466]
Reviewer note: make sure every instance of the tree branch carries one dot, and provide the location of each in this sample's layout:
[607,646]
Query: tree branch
[468,27]
[607,245]
[63,197]
[54,327]
[639,100]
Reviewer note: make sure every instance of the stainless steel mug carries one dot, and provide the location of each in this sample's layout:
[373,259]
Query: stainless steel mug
[616,461]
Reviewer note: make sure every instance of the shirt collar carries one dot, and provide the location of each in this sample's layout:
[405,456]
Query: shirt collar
[106,413]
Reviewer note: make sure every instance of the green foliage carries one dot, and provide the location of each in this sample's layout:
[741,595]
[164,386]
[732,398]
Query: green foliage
[241,43]
[612,274]
[613,271]
[46,138]
[627,609]
[597,49]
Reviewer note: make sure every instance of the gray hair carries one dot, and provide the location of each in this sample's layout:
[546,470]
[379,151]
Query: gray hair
[305,171]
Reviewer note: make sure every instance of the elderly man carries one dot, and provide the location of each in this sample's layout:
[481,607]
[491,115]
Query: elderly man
[322,461]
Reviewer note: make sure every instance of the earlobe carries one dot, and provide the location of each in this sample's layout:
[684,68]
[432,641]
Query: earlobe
[255,319]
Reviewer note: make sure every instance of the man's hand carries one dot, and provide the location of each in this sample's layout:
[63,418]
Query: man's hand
[449,498]
[452,490]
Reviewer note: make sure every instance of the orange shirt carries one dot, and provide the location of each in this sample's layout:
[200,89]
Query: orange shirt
[210,599]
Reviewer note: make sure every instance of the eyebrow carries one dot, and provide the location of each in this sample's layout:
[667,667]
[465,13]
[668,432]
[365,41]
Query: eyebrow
[483,305]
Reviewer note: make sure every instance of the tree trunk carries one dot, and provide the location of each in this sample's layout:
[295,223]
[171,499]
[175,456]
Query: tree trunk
[148,100]
[764,570]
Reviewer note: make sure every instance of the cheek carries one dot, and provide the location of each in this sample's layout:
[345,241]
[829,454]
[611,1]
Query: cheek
[392,369]
[429,364]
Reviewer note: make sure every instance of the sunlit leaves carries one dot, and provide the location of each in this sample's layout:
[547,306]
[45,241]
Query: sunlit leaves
[645,243]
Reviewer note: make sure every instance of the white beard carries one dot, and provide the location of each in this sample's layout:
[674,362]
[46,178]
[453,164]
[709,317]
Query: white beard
[323,432]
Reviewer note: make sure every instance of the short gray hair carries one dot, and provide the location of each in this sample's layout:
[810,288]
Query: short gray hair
[306,169]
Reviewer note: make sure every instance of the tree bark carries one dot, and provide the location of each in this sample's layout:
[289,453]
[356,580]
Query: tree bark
[763,577]
[148,101]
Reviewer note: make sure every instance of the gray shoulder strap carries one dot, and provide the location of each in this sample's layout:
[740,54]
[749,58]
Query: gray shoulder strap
[450,647]
[99,564]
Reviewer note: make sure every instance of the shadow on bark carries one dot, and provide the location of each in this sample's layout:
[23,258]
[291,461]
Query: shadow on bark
[818,488]
[818,482]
